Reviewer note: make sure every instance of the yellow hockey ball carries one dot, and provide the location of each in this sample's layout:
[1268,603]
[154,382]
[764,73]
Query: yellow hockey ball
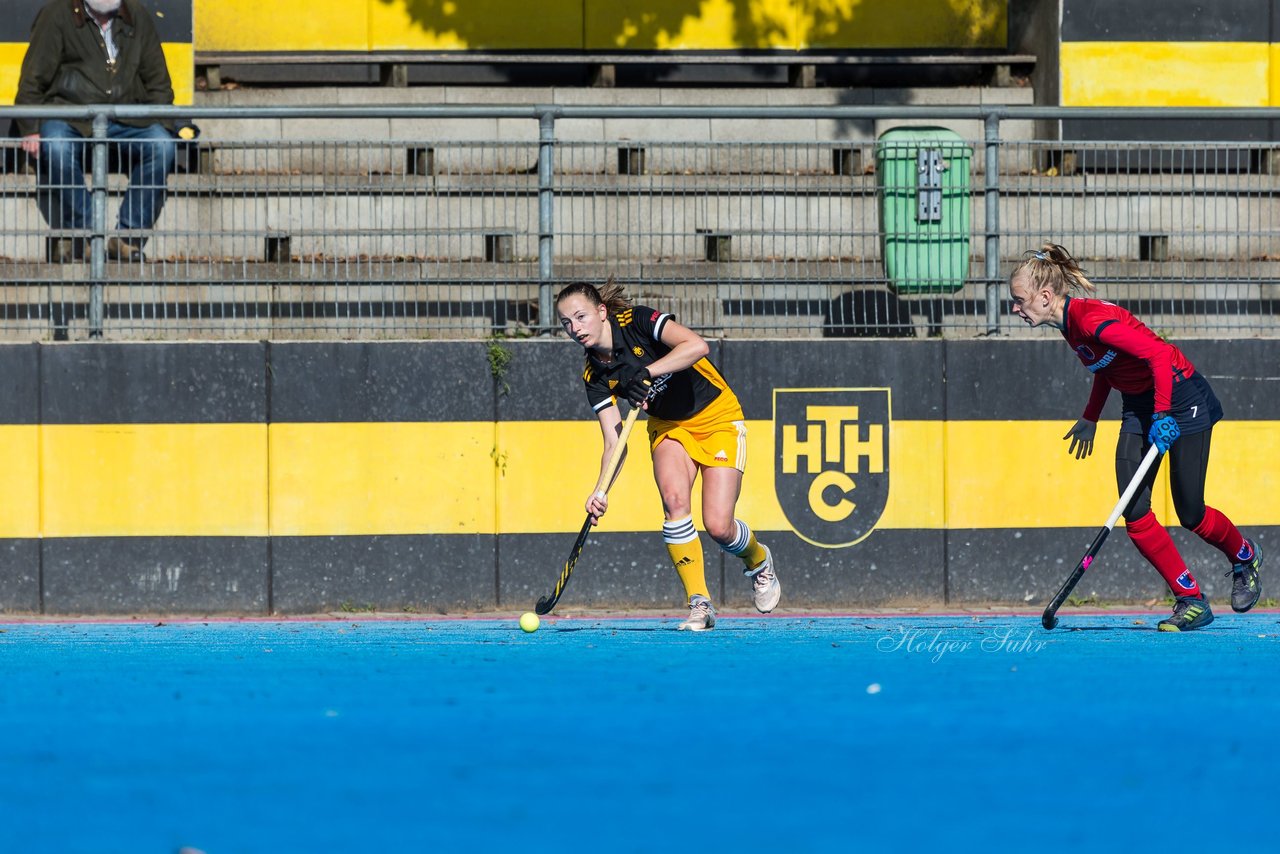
[529,621]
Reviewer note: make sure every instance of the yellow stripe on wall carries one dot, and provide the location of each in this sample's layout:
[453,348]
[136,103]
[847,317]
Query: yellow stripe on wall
[995,474]
[795,24]
[383,478]
[1274,76]
[1017,474]
[551,468]
[11,55]
[340,25]
[599,25]
[684,25]
[532,477]
[1166,74]
[180,57]
[893,24]
[915,488]
[1244,473]
[461,25]
[548,468]
[19,480]
[251,25]
[154,480]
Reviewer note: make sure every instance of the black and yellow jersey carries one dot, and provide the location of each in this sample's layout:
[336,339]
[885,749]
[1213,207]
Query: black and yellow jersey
[637,341]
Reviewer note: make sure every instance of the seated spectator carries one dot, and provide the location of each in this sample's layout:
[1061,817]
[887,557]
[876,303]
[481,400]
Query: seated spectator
[85,52]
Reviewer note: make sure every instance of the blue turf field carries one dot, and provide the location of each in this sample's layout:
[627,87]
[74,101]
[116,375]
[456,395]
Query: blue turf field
[622,735]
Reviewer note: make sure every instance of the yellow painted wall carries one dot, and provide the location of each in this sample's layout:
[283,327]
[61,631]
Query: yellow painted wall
[180,58]
[542,453]
[382,478]
[153,480]
[1273,75]
[19,480]
[890,24]
[692,25]
[1166,74]
[182,69]
[475,25]
[10,67]
[532,477]
[599,25]
[596,25]
[290,25]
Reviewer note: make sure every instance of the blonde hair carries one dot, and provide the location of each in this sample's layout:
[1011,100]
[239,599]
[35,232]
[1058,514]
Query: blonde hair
[1052,267]
[611,295]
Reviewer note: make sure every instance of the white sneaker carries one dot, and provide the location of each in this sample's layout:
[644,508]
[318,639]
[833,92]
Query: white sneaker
[765,587]
[701,615]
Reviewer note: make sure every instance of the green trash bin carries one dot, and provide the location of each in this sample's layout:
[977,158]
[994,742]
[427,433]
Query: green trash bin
[922,176]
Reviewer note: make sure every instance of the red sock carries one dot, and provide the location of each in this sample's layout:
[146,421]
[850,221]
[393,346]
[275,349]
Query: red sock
[1155,544]
[1218,531]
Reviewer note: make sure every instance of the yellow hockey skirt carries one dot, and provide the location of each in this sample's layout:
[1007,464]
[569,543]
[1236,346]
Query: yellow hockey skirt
[716,436]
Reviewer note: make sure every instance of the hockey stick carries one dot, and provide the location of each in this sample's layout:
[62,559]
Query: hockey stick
[1049,618]
[546,603]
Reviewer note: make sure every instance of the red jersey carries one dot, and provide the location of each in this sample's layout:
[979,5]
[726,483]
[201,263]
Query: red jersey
[1121,352]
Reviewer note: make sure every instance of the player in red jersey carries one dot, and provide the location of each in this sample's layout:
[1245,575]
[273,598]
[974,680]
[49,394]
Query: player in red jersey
[1166,402]
[695,423]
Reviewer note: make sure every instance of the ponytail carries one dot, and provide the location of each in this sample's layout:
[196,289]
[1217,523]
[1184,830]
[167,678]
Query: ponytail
[1051,266]
[611,295]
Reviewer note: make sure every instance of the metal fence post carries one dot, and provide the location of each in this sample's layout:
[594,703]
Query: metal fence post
[98,226]
[991,136]
[546,212]
[799,243]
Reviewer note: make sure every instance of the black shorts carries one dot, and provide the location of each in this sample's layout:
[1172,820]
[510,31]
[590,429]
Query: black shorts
[1194,406]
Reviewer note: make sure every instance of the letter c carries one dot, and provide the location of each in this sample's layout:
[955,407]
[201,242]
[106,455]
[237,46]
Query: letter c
[839,511]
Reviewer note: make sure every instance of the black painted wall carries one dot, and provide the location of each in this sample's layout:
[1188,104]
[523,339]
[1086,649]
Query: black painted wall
[932,380]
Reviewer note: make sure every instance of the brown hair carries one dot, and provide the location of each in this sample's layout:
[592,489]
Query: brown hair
[1051,266]
[611,295]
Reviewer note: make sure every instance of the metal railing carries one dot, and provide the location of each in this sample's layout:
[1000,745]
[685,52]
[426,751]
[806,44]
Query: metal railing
[744,221]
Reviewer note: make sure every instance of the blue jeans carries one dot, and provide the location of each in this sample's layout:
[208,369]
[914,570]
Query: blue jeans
[148,153]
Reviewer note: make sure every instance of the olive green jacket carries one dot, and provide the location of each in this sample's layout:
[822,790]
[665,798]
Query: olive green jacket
[66,62]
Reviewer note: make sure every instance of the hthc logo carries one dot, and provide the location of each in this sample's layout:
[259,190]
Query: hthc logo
[831,471]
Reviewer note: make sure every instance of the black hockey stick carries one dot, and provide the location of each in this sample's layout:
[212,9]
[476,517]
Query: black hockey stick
[546,603]
[1049,619]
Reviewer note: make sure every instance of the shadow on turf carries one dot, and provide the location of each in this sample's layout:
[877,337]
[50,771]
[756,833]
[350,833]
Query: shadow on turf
[595,628]
[608,629]
[1106,628]
[663,627]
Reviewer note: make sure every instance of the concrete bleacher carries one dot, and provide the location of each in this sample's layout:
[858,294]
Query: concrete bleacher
[598,69]
[286,226]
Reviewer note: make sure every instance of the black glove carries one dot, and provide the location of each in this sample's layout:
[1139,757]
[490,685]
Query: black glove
[635,384]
